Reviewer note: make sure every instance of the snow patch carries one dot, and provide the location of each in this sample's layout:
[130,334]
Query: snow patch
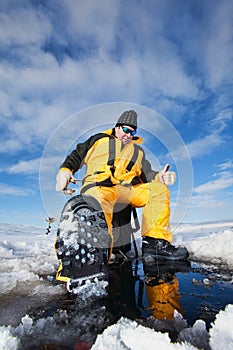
[91,288]
[48,290]
[127,334]
[216,247]
[26,253]
[9,280]
[221,333]
[197,335]
[211,242]
[7,340]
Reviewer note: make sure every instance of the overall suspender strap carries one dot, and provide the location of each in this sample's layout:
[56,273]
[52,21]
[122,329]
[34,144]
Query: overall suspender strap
[133,159]
[112,151]
[112,154]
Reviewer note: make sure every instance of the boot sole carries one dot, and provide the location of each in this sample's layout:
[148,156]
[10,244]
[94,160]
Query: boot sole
[149,257]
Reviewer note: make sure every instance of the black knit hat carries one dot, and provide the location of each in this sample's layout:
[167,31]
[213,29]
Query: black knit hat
[128,118]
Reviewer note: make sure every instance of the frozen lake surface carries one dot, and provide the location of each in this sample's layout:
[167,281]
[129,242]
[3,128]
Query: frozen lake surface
[180,300]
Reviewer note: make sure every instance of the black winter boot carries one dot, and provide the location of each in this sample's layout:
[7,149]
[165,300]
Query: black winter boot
[153,249]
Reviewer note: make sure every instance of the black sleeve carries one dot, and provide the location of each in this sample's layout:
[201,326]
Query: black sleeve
[75,159]
[147,173]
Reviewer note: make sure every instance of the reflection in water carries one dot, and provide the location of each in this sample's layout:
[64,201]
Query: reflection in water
[157,282]
[121,294]
[162,288]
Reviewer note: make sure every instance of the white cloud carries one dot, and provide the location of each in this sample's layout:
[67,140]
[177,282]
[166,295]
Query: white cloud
[204,146]
[14,191]
[25,167]
[21,26]
[28,167]
[38,92]
[226,165]
[93,20]
[210,141]
[222,120]
[218,54]
[204,34]
[212,200]
[10,145]
[225,180]
[55,91]
[197,148]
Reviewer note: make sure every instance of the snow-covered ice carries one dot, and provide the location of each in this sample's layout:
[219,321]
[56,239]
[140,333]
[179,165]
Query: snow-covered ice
[208,241]
[26,255]
[127,334]
[29,263]
[221,333]
[7,340]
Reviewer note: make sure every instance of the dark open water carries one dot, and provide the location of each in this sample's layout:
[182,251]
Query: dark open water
[150,294]
[196,290]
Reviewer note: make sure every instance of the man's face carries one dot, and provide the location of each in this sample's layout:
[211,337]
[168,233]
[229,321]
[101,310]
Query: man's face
[123,133]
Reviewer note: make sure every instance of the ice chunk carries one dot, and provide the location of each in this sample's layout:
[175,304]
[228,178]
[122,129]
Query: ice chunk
[127,334]
[196,335]
[7,340]
[221,333]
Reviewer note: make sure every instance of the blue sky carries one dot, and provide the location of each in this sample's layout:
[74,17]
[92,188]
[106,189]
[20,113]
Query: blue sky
[58,58]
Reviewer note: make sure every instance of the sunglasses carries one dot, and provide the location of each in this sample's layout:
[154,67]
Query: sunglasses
[128,131]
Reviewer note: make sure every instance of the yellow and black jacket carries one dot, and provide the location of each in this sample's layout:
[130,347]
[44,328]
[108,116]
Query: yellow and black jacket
[109,163]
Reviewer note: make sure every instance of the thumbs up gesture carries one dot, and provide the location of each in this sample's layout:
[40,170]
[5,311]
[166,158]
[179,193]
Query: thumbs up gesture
[167,177]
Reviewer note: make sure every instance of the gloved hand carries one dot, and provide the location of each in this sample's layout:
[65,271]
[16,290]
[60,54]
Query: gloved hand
[167,177]
[63,178]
